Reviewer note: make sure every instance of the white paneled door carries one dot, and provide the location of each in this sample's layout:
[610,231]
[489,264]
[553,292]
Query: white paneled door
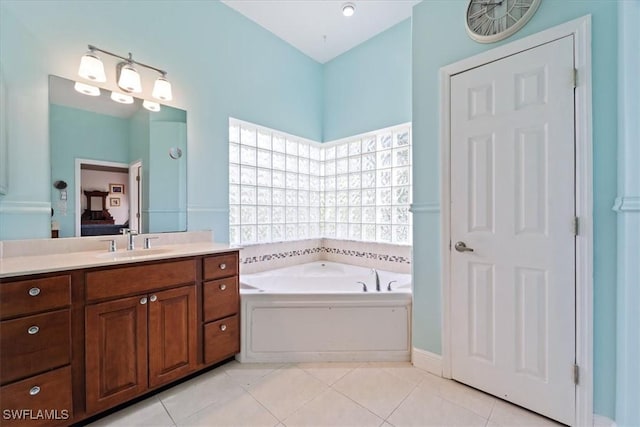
[512,235]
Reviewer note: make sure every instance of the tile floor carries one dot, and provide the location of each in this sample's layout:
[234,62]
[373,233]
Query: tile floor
[322,394]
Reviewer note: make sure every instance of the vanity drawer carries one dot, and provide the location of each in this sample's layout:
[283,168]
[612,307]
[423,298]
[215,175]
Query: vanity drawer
[31,296]
[34,344]
[216,267]
[49,392]
[220,298]
[125,281]
[221,339]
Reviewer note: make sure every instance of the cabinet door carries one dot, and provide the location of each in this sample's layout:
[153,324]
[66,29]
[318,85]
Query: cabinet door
[172,334]
[116,351]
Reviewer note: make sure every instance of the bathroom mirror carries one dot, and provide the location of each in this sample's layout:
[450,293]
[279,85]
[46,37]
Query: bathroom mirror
[125,150]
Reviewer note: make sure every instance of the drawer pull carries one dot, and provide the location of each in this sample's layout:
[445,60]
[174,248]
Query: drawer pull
[34,390]
[223,327]
[153,298]
[223,287]
[34,292]
[143,300]
[33,330]
[223,266]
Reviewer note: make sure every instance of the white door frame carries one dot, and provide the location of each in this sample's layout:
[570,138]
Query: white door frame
[77,189]
[581,30]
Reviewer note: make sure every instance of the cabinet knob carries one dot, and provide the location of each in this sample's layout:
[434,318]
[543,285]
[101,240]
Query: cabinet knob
[153,298]
[223,287]
[34,390]
[223,266]
[223,327]
[34,292]
[143,300]
[33,330]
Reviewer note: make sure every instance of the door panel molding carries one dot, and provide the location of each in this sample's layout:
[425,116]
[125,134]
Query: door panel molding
[581,30]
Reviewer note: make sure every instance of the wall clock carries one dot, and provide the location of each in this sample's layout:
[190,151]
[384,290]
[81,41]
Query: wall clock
[489,21]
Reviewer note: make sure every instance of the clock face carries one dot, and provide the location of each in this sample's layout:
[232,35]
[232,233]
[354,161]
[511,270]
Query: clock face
[488,21]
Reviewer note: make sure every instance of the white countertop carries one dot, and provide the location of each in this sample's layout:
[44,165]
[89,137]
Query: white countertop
[33,264]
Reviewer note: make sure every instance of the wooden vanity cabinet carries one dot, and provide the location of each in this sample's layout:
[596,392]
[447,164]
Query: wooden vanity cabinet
[115,352]
[221,305]
[140,342]
[35,351]
[111,334]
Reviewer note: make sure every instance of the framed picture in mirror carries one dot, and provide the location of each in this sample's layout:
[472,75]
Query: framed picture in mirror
[116,188]
[114,201]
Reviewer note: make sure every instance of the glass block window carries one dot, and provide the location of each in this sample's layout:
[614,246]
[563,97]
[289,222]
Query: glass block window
[283,187]
[274,185]
[367,187]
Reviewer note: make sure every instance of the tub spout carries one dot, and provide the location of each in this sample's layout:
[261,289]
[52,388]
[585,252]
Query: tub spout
[389,285]
[364,286]
[377,279]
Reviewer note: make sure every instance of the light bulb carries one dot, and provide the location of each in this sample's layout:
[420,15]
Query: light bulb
[128,78]
[162,89]
[86,89]
[122,98]
[151,106]
[92,68]
[348,9]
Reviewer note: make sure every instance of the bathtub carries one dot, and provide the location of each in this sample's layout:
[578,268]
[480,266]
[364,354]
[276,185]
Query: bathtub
[319,312]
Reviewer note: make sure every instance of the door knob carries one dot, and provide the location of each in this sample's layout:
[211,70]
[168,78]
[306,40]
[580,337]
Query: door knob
[462,247]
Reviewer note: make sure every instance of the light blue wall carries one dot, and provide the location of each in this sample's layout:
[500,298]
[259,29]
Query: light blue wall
[628,211]
[369,87]
[439,38]
[85,135]
[25,212]
[220,64]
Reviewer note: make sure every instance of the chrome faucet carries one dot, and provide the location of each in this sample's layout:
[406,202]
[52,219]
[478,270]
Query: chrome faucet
[130,235]
[377,279]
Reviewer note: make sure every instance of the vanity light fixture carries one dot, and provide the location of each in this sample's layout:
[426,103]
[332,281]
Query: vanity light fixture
[91,67]
[151,106]
[122,98]
[348,9]
[128,78]
[86,89]
[162,89]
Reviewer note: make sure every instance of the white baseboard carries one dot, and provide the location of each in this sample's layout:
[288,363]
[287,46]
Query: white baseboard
[602,421]
[426,360]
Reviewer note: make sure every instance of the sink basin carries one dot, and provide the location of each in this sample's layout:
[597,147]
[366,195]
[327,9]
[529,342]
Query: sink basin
[136,253]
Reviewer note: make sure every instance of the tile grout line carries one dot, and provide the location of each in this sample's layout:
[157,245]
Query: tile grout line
[290,365]
[401,402]
[246,390]
[167,411]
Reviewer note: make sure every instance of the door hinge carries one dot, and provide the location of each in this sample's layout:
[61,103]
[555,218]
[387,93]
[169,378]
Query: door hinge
[138,178]
[576,374]
[575,78]
[576,225]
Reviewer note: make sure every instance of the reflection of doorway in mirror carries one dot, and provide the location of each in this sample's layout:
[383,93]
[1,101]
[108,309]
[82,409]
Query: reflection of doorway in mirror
[96,175]
[135,193]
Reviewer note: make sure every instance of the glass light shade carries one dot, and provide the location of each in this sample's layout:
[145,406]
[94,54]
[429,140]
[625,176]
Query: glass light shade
[122,98]
[86,89]
[92,68]
[151,106]
[162,89]
[129,79]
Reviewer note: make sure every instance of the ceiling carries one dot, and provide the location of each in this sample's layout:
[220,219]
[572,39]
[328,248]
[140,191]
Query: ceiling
[318,28]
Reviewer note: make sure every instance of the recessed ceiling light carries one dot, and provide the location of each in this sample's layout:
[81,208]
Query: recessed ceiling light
[348,9]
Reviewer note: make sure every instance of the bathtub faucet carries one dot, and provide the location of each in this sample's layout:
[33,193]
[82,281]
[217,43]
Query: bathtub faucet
[364,286]
[377,279]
